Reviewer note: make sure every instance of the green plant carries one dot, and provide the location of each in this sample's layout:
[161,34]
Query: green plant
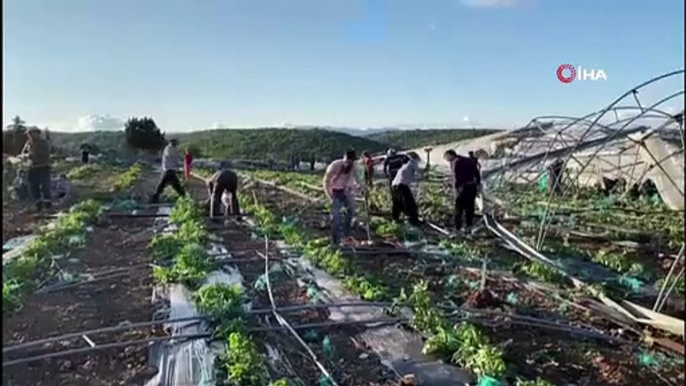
[22,274]
[85,171]
[220,301]
[365,288]
[540,272]
[165,246]
[127,179]
[680,287]
[190,267]
[425,317]
[242,362]
[476,354]
[444,343]
[185,210]
[281,382]
[538,382]
[389,229]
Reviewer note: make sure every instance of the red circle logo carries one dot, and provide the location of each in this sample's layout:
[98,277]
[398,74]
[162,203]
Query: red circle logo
[561,73]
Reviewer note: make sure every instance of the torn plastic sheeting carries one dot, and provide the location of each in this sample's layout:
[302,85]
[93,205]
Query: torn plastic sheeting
[13,247]
[399,350]
[190,362]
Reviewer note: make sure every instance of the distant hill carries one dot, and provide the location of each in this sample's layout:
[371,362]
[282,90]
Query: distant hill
[257,144]
[412,139]
[103,140]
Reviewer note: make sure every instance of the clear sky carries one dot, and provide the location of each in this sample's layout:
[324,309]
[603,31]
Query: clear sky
[191,64]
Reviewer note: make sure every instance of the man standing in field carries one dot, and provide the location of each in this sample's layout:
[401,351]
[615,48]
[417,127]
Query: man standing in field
[223,182]
[402,197]
[339,182]
[37,153]
[171,161]
[466,181]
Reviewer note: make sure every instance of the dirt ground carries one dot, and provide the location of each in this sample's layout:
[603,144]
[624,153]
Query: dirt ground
[352,365]
[557,356]
[110,300]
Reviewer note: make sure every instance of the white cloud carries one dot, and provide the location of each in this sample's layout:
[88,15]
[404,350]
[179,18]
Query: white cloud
[489,3]
[99,123]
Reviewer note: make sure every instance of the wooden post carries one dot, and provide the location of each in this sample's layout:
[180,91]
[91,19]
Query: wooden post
[428,158]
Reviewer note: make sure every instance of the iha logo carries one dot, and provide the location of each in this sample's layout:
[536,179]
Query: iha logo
[567,73]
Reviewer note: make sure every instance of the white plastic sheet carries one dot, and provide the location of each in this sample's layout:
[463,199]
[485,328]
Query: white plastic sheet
[191,362]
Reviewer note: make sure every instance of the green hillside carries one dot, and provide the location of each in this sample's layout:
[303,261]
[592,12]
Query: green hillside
[102,140]
[256,144]
[411,139]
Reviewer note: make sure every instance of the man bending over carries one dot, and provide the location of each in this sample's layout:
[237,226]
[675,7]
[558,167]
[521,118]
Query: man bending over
[223,182]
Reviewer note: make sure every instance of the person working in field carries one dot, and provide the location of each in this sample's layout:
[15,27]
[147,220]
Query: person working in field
[36,151]
[402,197]
[222,188]
[171,160]
[466,180]
[187,164]
[474,158]
[393,163]
[340,181]
[368,163]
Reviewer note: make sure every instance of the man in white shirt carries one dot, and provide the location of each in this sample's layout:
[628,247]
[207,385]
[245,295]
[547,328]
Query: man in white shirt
[340,180]
[171,164]
[401,194]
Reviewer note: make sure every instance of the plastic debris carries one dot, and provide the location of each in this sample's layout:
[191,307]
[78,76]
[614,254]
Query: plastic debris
[631,283]
[325,381]
[474,285]
[327,347]
[647,359]
[312,293]
[260,284]
[311,336]
[488,381]
[512,299]
[453,281]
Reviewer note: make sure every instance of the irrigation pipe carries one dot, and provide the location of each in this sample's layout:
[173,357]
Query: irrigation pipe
[283,321]
[130,326]
[376,322]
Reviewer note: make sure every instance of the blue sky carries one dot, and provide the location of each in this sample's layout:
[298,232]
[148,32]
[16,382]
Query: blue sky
[83,64]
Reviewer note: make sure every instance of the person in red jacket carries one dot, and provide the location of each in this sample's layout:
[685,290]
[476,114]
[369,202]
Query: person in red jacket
[187,162]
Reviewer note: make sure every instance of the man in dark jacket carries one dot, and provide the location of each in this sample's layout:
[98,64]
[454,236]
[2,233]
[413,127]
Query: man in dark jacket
[223,182]
[466,181]
[393,163]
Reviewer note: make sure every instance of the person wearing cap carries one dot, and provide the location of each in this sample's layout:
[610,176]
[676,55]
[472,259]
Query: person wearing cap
[401,195]
[222,188]
[339,182]
[171,162]
[466,180]
[393,163]
[37,153]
